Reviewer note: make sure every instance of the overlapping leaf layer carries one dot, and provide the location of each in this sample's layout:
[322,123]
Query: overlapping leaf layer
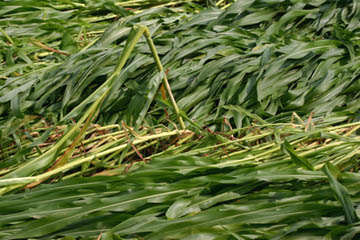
[244,74]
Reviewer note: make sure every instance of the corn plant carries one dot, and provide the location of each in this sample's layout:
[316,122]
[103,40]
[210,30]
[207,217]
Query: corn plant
[262,141]
[22,175]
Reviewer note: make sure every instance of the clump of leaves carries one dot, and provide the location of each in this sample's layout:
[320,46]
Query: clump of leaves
[269,60]
[214,186]
[237,70]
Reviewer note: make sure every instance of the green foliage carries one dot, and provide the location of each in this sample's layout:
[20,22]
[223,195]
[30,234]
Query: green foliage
[243,73]
[216,187]
[161,200]
[270,60]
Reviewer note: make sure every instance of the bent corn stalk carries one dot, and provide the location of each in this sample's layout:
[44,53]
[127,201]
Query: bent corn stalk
[134,36]
[75,134]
